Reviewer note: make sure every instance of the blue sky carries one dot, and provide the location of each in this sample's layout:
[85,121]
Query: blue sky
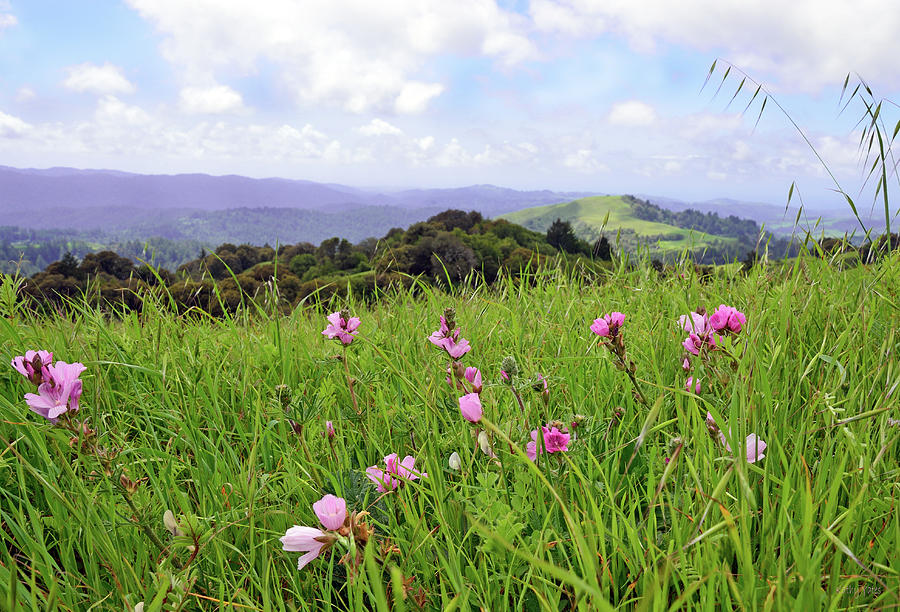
[593,95]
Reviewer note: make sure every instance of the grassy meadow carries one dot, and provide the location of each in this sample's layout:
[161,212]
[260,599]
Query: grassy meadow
[222,423]
[613,213]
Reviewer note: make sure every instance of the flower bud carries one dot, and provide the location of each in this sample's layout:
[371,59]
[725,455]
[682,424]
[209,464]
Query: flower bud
[297,427]
[675,443]
[284,395]
[454,461]
[510,366]
[450,318]
[170,523]
[128,484]
[485,443]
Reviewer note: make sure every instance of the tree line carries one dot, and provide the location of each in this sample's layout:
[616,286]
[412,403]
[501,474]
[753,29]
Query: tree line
[443,251]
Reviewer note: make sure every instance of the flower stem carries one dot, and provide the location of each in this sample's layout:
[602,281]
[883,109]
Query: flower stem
[515,392]
[151,535]
[350,382]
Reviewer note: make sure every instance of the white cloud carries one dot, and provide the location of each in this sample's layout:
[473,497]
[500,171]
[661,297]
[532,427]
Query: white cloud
[12,127]
[672,166]
[583,160]
[7,20]
[741,151]
[557,16]
[425,143]
[112,111]
[379,127]
[804,44]
[214,100]
[25,94]
[105,79]
[415,96]
[354,54]
[632,113]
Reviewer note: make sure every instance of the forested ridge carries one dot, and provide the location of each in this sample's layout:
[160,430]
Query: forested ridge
[444,250]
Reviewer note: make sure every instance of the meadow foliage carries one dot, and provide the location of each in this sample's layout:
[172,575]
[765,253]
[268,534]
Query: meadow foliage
[561,454]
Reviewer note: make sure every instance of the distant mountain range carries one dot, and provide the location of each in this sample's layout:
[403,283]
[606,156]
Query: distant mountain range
[192,206]
[67,188]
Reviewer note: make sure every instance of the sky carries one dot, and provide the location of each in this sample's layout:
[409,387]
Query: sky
[573,95]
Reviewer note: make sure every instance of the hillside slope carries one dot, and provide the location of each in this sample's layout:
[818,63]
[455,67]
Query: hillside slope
[587,216]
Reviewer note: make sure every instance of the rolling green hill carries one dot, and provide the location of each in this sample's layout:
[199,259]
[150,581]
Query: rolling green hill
[587,216]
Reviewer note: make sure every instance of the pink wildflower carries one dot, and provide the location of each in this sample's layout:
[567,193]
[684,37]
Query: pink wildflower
[470,406]
[456,349]
[329,430]
[33,365]
[504,375]
[715,432]
[608,325]
[304,539]
[694,323]
[727,319]
[386,478]
[332,511]
[686,365]
[473,375]
[437,338]
[555,441]
[342,327]
[60,394]
[755,448]
[692,384]
[694,343]
[449,340]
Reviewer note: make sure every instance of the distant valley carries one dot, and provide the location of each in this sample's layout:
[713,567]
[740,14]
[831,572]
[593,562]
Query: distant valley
[85,210]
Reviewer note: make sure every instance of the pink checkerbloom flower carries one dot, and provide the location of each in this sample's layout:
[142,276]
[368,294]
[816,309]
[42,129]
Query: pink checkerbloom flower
[701,334]
[332,514]
[470,374]
[555,441]
[608,325]
[59,394]
[727,319]
[692,384]
[470,406]
[332,511]
[304,539]
[694,343]
[695,323]
[755,448]
[473,375]
[449,340]
[341,326]
[394,473]
[33,365]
